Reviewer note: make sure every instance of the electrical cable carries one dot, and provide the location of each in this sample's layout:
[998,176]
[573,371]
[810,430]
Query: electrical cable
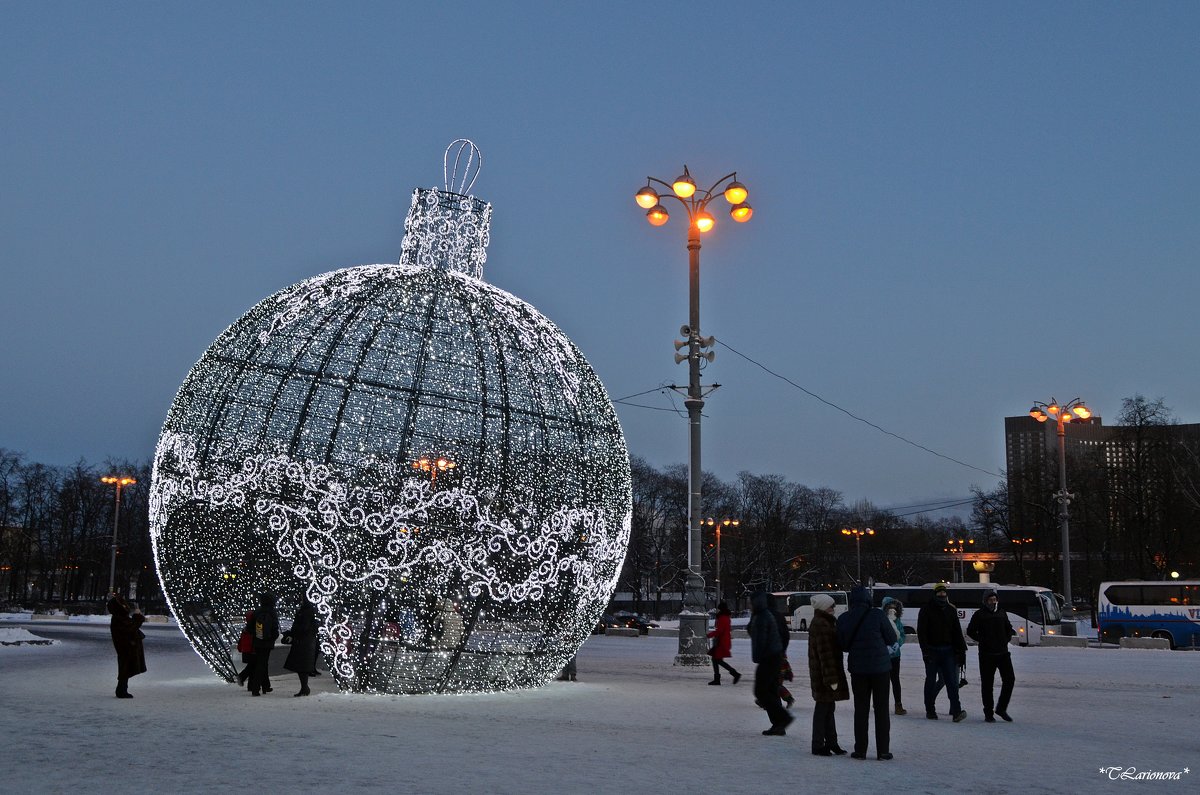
[855,416]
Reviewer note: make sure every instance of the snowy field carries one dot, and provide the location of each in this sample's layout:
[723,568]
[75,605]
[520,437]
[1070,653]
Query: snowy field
[633,723]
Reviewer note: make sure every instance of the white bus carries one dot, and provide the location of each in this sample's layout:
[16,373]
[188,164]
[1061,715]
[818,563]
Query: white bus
[1153,609]
[797,609]
[1033,610]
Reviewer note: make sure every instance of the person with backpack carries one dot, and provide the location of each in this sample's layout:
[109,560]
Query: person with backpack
[266,632]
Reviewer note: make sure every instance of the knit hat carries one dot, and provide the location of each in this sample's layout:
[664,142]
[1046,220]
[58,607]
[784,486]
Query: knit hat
[988,594]
[940,586]
[821,601]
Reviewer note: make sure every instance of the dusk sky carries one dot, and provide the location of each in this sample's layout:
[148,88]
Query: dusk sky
[960,208]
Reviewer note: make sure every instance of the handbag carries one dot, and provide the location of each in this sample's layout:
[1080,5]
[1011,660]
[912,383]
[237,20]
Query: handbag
[246,643]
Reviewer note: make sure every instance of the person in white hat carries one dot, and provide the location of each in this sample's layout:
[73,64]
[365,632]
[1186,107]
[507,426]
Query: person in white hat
[826,675]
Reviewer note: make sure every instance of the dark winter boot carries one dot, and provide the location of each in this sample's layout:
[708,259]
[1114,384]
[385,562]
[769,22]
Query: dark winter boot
[715,682]
[123,688]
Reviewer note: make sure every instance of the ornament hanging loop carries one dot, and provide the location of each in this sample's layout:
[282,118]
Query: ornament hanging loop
[470,168]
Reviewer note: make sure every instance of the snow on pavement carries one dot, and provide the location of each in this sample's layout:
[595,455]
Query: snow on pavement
[634,723]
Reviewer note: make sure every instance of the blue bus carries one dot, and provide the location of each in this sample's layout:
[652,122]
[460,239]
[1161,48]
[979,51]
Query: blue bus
[1167,609]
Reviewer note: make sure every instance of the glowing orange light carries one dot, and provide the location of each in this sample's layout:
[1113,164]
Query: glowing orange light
[736,193]
[683,185]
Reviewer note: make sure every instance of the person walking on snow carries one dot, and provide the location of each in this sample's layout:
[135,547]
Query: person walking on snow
[722,635]
[992,630]
[767,643]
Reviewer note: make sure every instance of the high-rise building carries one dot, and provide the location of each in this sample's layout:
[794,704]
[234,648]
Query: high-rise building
[1136,492]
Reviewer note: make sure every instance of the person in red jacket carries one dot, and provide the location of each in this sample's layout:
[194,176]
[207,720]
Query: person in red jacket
[722,636]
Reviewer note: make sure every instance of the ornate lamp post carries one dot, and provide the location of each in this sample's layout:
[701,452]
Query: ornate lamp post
[693,619]
[1063,414]
[858,536]
[718,524]
[958,547]
[119,482]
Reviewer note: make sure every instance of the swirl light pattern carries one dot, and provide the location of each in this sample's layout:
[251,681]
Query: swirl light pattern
[285,464]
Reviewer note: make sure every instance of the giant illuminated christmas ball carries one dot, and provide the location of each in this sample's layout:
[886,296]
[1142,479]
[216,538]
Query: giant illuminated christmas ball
[424,456]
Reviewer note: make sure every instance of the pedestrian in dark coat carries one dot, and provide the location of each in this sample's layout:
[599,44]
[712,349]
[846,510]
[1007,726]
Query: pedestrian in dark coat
[266,632]
[127,640]
[865,633]
[826,676]
[767,643]
[944,650]
[304,644]
[992,630]
[722,650]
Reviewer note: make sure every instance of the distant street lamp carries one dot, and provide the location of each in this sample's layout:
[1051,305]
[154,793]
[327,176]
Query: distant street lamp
[433,466]
[958,547]
[718,524]
[120,483]
[1063,414]
[693,618]
[858,536]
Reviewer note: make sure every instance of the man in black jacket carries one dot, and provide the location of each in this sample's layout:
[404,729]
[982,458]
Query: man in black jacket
[992,630]
[944,649]
[768,639]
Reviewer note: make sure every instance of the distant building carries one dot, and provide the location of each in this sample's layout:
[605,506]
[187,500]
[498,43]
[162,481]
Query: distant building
[1105,465]
[1031,462]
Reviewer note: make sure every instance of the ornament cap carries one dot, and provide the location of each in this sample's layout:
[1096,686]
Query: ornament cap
[446,230]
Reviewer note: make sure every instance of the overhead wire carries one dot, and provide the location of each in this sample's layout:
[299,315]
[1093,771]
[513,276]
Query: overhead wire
[854,416]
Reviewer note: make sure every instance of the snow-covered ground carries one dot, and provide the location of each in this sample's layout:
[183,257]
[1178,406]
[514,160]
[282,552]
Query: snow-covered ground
[633,723]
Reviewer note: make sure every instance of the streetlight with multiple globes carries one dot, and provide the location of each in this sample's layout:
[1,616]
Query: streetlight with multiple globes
[718,524]
[433,466]
[693,618]
[858,537]
[958,547]
[120,482]
[1063,414]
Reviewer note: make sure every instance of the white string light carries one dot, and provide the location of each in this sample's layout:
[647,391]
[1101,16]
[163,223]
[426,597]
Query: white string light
[286,464]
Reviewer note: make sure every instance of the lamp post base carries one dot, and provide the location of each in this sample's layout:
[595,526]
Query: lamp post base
[693,640]
[1068,626]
